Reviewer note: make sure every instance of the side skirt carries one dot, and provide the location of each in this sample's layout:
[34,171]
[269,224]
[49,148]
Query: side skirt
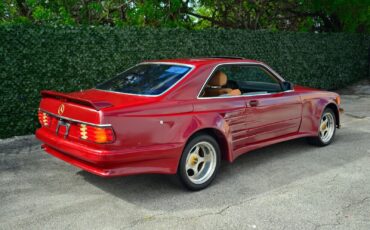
[265,143]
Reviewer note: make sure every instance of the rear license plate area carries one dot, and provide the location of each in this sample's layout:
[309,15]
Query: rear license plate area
[62,129]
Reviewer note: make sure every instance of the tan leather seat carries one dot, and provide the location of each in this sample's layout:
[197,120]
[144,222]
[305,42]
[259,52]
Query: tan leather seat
[214,86]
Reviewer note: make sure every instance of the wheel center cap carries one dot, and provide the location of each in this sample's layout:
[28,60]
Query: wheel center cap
[193,159]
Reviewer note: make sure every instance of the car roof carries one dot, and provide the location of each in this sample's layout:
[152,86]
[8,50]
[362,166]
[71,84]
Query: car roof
[206,60]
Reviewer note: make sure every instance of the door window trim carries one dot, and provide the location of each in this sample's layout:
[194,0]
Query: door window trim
[263,65]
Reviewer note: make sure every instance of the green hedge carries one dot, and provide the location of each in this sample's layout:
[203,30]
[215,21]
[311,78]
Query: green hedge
[66,59]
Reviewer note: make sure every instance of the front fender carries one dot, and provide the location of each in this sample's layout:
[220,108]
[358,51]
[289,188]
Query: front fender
[312,109]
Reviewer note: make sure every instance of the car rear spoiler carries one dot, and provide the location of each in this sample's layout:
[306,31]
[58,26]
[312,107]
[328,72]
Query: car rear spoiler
[98,105]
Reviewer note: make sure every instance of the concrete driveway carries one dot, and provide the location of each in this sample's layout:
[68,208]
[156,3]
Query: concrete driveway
[290,185]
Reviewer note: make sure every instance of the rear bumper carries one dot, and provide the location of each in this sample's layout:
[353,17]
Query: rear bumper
[162,159]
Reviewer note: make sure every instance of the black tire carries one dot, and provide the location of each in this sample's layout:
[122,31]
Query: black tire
[317,140]
[183,174]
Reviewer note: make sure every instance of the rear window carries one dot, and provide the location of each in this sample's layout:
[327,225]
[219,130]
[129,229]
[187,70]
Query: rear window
[146,79]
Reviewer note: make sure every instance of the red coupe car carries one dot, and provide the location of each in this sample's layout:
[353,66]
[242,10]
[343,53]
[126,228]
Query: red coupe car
[182,116]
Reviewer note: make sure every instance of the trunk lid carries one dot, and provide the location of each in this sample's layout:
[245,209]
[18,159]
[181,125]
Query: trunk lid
[87,105]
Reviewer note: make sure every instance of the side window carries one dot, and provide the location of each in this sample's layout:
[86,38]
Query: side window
[257,74]
[234,80]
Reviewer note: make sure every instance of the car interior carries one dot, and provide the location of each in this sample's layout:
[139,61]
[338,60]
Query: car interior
[221,84]
[217,86]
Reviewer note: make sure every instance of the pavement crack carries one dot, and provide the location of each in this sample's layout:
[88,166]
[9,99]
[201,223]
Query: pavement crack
[153,217]
[355,116]
[356,203]
[223,210]
[333,178]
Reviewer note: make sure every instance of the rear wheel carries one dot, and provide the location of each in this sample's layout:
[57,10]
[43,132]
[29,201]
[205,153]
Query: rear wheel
[327,129]
[199,162]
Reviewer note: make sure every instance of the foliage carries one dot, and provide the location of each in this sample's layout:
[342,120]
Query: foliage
[252,15]
[335,15]
[288,15]
[119,13]
[33,58]
[292,15]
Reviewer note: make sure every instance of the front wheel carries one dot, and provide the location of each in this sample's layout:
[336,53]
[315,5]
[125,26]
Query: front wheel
[199,162]
[327,129]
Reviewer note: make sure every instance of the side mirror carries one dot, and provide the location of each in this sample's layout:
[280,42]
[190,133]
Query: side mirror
[286,85]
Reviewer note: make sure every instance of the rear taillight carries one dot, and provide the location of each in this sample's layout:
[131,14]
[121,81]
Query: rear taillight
[44,119]
[96,134]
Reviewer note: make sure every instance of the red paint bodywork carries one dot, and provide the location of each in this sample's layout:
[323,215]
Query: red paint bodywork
[151,132]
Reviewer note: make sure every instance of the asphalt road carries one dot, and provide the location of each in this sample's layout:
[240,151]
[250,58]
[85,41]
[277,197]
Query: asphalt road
[290,185]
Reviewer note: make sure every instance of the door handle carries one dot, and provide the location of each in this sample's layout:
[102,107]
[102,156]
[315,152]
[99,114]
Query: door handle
[253,103]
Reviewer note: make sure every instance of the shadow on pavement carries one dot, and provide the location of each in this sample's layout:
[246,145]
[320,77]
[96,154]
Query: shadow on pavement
[251,174]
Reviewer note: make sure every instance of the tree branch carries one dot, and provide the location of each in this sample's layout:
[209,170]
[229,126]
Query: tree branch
[212,20]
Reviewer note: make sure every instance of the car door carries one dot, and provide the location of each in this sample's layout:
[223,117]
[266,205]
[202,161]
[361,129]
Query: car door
[270,111]
[272,116]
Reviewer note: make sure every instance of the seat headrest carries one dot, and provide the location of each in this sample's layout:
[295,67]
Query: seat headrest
[218,79]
